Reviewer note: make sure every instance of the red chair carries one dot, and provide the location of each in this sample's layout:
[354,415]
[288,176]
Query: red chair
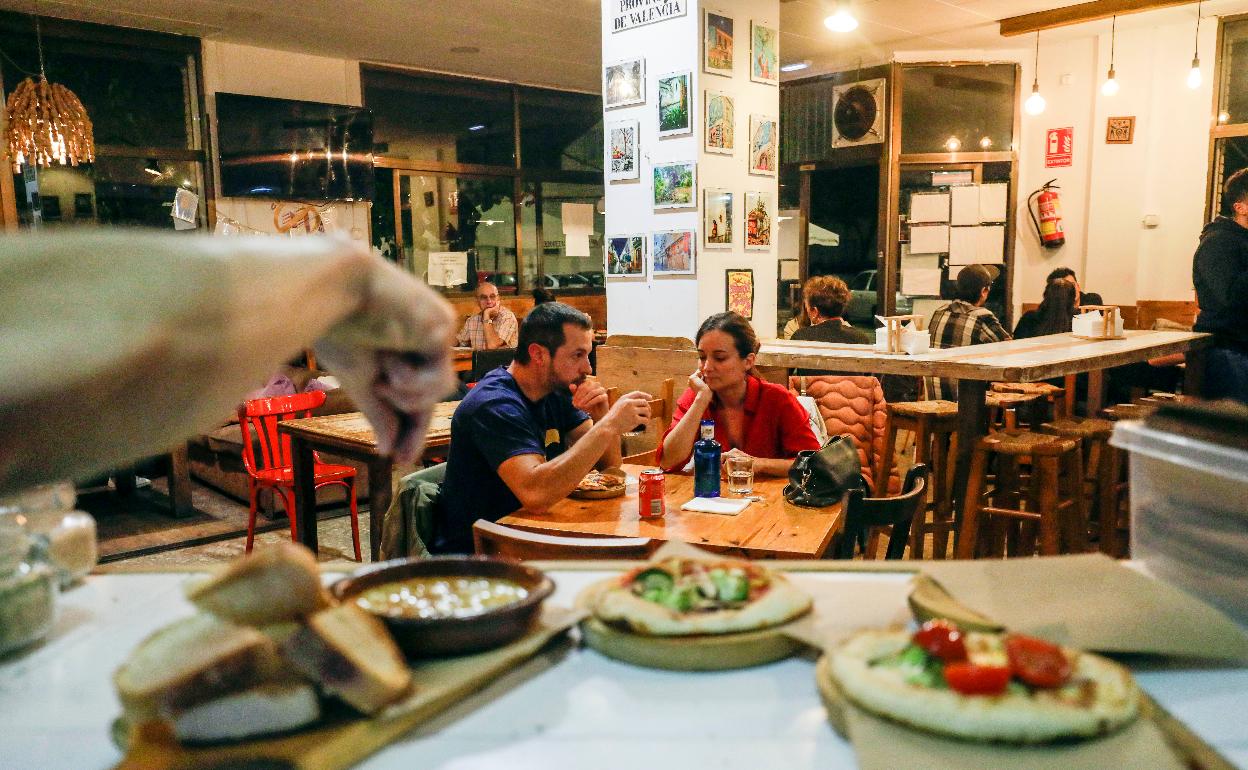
[258,420]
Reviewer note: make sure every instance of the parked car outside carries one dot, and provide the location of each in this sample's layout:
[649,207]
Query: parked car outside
[863,302]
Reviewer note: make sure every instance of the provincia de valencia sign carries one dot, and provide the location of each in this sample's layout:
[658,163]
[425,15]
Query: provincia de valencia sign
[637,13]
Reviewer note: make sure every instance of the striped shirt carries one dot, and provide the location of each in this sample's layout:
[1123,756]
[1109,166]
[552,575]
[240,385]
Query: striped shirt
[958,324]
[473,332]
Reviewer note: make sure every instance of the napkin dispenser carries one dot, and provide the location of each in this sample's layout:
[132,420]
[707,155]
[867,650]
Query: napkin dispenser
[898,336]
[1098,322]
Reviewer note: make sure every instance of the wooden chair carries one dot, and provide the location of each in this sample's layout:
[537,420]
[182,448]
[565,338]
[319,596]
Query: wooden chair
[863,513]
[1102,466]
[485,361]
[490,539]
[270,467]
[661,405]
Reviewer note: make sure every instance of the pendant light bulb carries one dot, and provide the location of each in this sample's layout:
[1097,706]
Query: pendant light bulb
[1035,103]
[841,21]
[1193,75]
[1110,86]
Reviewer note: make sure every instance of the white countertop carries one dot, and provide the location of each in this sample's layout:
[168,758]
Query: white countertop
[569,708]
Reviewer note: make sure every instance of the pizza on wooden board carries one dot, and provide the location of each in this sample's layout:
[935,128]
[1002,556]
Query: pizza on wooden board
[984,686]
[680,596]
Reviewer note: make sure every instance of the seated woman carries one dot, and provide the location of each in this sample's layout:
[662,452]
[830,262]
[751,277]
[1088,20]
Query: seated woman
[752,417]
[1057,309]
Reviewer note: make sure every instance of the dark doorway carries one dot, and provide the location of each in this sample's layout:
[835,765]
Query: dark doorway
[842,237]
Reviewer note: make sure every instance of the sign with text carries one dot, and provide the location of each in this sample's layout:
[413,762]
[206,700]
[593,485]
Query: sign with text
[638,13]
[1059,142]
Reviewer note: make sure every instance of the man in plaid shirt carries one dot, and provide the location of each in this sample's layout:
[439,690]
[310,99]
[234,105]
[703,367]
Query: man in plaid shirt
[965,321]
[494,327]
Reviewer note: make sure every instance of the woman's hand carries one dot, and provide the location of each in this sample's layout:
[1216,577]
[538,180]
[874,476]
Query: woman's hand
[726,456]
[702,391]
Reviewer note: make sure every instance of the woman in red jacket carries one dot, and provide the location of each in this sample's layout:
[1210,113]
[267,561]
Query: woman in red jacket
[752,417]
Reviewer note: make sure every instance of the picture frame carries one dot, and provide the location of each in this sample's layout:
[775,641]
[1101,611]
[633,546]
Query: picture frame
[764,54]
[717,218]
[717,43]
[675,184]
[739,291]
[624,83]
[763,145]
[623,145]
[760,219]
[720,122]
[673,252]
[675,103]
[1120,130]
[625,256]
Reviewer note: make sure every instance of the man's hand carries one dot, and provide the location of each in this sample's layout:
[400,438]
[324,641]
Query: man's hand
[590,397]
[631,410]
[490,313]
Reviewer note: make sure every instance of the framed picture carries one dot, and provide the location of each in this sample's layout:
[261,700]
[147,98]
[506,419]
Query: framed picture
[674,185]
[674,104]
[672,252]
[720,120]
[739,292]
[1120,130]
[760,213]
[763,132]
[717,218]
[716,43]
[623,156]
[764,54]
[625,256]
[624,83]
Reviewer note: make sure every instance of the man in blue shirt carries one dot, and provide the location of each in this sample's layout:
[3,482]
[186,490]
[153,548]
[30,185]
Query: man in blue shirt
[527,434]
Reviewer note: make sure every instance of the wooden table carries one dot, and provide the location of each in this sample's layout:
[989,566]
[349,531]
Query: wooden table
[771,528]
[975,366]
[350,435]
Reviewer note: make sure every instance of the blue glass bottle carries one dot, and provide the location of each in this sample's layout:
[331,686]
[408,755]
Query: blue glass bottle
[706,452]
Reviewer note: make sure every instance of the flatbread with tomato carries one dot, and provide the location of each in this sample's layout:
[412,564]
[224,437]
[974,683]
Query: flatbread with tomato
[984,686]
[683,597]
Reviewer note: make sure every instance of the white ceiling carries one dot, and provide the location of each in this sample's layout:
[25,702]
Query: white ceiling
[557,44]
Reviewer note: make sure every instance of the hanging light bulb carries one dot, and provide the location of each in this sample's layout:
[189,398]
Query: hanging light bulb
[841,21]
[953,144]
[1110,86]
[1035,103]
[1193,75]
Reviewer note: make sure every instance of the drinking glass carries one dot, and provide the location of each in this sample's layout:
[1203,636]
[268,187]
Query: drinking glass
[740,475]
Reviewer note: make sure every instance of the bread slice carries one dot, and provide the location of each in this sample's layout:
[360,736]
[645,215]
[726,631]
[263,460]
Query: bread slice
[266,586]
[195,659]
[272,707]
[350,654]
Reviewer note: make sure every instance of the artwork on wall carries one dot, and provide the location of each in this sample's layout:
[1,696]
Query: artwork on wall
[739,291]
[764,54]
[1120,130]
[674,103]
[625,256]
[672,252]
[674,184]
[623,145]
[760,213]
[717,44]
[624,83]
[763,132]
[717,218]
[720,119]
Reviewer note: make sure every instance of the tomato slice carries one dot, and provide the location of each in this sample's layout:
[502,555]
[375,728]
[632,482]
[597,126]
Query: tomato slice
[970,679]
[941,639]
[1037,662]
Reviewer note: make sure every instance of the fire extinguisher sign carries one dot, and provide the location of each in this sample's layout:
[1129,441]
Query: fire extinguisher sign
[1057,146]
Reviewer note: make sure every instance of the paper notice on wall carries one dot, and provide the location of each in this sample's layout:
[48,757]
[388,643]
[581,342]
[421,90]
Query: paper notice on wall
[963,245]
[185,206]
[929,207]
[448,268]
[921,281]
[929,239]
[992,202]
[578,225]
[920,262]
[964,205]
[990,245]
[789,270]
[576,244]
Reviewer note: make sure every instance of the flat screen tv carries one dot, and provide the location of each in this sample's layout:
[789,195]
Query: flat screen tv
[280,148]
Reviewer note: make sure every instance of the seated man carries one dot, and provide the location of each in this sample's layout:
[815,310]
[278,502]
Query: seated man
[824,299]
[526,435]
[1081,297]
[494,327]
[965,321]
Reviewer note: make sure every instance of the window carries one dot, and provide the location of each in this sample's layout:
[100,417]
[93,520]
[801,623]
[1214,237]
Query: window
[1230,134]
[560,130]
[962,108]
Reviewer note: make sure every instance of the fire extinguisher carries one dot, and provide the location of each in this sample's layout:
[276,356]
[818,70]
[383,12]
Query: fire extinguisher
[1049,228]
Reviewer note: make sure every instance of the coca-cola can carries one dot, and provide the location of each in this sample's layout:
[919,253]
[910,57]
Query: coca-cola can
[650,494]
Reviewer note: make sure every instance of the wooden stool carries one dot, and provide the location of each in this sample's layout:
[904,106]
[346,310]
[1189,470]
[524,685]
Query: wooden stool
[1060,399]
[1055,499]
[934,424]
[1102,465]
[1003,407]
[1127,412]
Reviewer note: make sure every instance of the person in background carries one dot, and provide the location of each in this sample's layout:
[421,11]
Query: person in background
[527,434]
[1220,273]
[752,417]
[799,320]
[965,321]
[494,327]
[1056,311]
[542,296]
[824,299]
[1081,297]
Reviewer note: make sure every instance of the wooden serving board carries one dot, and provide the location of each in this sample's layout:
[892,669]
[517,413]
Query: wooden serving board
[343,739]
[706,652]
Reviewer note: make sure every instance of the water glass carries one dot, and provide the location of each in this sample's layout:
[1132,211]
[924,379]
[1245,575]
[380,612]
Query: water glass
[740,475]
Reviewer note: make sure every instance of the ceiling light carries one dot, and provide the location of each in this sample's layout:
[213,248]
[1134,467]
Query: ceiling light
[794,66]
[47,122]
[841,21]
[953,144]
[151,171]
[1110,86]
[478,127]
[985,143]
[1193,75]
[1223,117]
[1035,103]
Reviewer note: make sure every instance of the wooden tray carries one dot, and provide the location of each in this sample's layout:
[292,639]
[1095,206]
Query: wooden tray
[343,739]
[708,652]
[929,600]
[603,494]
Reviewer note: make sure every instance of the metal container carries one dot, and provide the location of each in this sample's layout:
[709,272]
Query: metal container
[650,490]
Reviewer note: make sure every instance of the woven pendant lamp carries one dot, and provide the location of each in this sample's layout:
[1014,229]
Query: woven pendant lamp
[47,123]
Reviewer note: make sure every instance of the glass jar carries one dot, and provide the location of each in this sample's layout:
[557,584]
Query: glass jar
[27,591]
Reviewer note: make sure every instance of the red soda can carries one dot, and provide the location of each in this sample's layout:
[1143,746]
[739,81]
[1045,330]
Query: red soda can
[650,494]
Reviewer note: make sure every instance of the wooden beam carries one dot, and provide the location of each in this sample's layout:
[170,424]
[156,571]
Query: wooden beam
[1078,14]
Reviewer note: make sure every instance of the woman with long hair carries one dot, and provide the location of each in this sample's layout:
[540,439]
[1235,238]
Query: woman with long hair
[752,417]
[1055,313]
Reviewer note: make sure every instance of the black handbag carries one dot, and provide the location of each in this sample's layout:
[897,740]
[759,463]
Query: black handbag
[819,478]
